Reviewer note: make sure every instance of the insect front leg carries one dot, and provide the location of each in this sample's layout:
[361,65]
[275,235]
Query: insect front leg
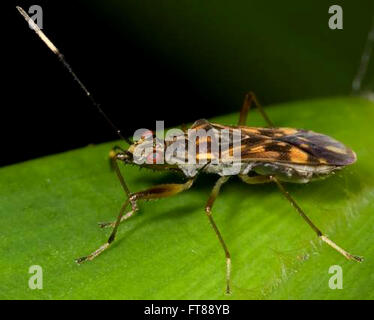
[94,254]
[114,157]
[156,192]
[319,233]
[208,211]
[248,99]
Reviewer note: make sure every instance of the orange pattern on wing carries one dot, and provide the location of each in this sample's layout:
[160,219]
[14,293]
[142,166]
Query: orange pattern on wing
[298,156]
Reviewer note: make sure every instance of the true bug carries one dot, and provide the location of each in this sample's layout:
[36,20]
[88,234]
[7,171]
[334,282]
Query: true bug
[266,155]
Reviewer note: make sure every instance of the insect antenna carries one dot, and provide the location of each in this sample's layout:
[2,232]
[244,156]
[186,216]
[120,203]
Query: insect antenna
[61,57]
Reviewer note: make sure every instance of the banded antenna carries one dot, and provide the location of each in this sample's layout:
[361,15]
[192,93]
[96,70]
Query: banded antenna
[60,56]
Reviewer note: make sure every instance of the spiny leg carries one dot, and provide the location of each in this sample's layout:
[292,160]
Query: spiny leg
[208,211]
[114,157]
[311,224]
[249,98]
[156,192]
[149,194]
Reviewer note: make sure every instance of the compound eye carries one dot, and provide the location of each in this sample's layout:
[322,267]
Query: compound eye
[147,134]
[155,157]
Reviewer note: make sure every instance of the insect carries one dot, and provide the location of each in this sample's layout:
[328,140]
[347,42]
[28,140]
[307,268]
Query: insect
[266,155]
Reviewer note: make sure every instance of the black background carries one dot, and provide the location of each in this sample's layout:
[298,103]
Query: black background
[45,112]
[48,113]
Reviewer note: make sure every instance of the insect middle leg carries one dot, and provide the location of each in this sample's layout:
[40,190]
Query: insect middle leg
[248,99]
[208,211]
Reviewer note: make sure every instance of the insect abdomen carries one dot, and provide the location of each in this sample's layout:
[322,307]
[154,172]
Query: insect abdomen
[295,173]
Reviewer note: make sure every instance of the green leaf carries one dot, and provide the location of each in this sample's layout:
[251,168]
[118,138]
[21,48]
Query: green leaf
[50,208]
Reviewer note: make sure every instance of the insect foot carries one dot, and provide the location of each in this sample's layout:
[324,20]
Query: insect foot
[105,224]
[228,272]
[341,250]
[80,260]
[94,254]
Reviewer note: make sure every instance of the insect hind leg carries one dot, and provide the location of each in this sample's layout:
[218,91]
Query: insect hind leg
[248,99]
[319,233]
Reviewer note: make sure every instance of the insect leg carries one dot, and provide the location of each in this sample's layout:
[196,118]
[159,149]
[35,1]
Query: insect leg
[184,127]
[160,191]
[114,157]
[249,98]
[94,254]
[113,223]
[208,211]
[311,224]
